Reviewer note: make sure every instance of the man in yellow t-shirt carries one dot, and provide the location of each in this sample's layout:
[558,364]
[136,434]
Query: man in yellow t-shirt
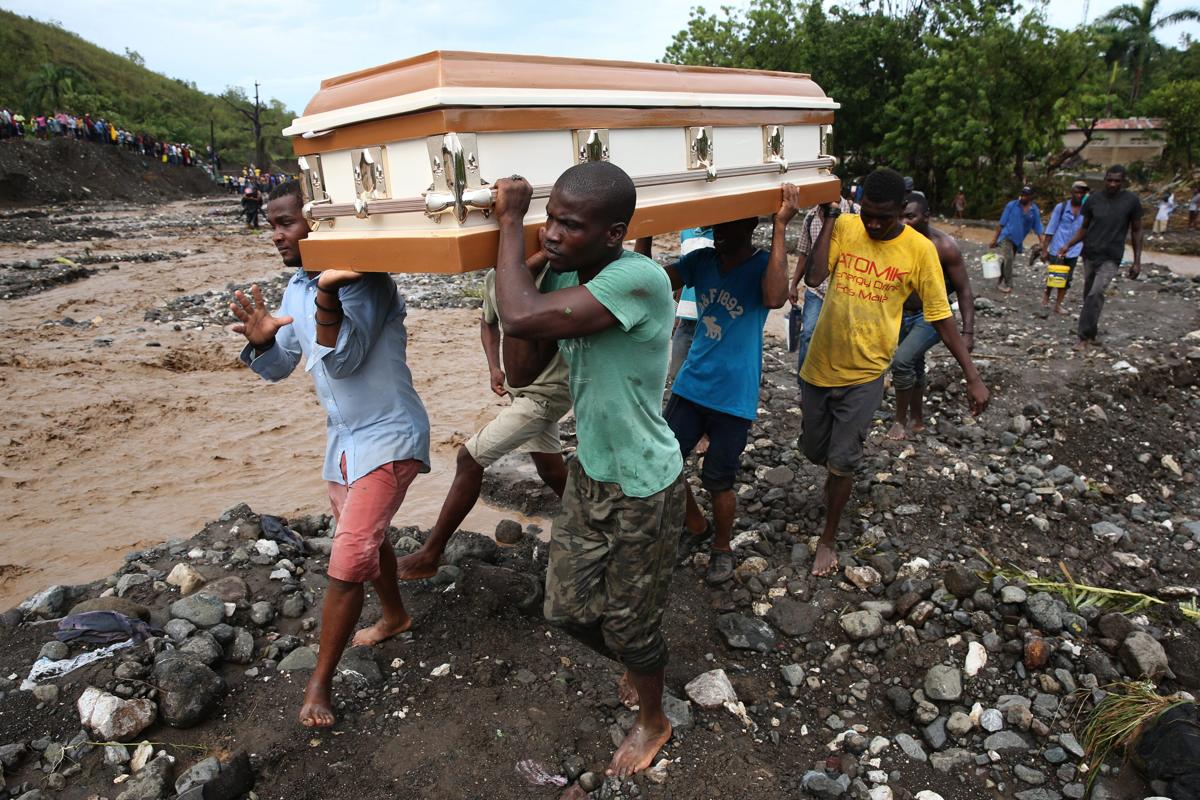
[873,262]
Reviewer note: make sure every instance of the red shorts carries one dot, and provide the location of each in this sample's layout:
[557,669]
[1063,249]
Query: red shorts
[363,511]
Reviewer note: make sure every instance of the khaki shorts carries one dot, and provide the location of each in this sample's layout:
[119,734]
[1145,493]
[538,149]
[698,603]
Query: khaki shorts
[525,426]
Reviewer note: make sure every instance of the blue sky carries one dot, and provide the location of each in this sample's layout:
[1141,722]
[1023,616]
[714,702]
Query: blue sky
[290,46]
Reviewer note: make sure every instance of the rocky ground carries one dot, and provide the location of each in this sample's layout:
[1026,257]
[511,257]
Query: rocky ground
[935,664]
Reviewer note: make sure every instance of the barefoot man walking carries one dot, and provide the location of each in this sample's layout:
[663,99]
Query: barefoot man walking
[347,329]
[609,312]
[875,262]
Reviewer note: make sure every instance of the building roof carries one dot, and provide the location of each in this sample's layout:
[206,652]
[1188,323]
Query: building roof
[1127,124]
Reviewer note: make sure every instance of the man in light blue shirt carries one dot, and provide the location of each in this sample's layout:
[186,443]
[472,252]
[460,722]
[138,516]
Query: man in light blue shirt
[1065,220]
[1019,218]
[346,329]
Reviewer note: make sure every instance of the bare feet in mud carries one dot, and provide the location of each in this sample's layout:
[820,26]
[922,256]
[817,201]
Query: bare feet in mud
[825,562]
[639,748]
[418,565]
[317,711]
[628,694]
[381,631]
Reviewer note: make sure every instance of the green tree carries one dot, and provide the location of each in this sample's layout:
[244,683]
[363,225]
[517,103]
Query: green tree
[49,87]
[1136,26]
[1179,104]
[135,57]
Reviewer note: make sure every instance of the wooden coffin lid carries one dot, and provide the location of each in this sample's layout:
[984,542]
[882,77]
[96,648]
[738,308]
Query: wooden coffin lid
[444,79]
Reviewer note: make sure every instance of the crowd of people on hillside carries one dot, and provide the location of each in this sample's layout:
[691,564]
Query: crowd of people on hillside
[100,131]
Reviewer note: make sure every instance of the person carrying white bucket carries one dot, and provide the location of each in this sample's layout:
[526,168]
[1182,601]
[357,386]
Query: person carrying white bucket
[1065,220]
[1020,217]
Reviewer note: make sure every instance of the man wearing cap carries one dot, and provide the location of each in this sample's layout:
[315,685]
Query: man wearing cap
[1019,218]
[1065,220]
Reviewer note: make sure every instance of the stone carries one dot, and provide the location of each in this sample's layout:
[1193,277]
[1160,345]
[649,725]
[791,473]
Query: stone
[47,603]
[793,674]
[202,610]
[860,625]
[1013,595]
[779,476]
[112,603]
[12,754]
[115,755]
[241,649]
[112,718]
[1144,657]
[749,567]
[1071,745]
[198,774]
[961,582]
[900,700]
[911,747]
[792,617]
[950,760]
[865,578]
[711,689]
[359,665]
[882,792]
[1108,532]
[959,725]
[188,691]
[54,650]
[935,733]
[818,784]
[746,633]
[178,629]
[141,756]
[127,583]
[977,658]
[47,693]
[302,658]
[234,780]
[927,794]
[204,648]
[293,606]
[1044,612]
[679,712]
[151,782]
[943,682]
[266,547]
[509,531]
[1006,742]
[230,589]
[1029,775]
[466,546]
[262,612]
[1115,626]
[186,577]
[991,720]
[1039,794]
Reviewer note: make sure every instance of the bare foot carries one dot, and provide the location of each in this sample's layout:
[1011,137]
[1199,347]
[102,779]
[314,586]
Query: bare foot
[317,711]
[1061,310]
[917,426]
[381,631]
[639,748]
[825,562]
[1083,345]
[628,694]
[1006,289]
[896,431]
[418,565]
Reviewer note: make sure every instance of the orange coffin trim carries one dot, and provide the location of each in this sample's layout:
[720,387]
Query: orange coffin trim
[452,252]
[481,120]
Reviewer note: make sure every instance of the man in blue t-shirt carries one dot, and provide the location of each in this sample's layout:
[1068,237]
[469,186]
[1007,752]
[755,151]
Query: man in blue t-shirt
[715,393]
[1020,217]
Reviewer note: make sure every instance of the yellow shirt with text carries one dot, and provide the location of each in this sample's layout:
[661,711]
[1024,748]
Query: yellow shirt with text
[869,281]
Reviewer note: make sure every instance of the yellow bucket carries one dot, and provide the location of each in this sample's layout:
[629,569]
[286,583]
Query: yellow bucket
[1056,276]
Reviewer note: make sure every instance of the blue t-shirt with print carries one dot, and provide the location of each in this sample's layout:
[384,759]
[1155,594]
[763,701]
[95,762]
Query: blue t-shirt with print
[724,365]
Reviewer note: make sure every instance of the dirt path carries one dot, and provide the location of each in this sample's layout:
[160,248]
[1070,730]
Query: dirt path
[119,433]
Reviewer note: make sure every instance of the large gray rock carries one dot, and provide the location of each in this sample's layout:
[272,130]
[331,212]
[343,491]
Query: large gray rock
[241,649]
[204,648]
[792,617]
[711,689]
[229,589]
[943,682]
[746,633]
[188,691]
[679,712]
[47,603]
[860,625]
[911,747]
[950,760]
[1006,742]
[1044,612]
[358,665]
[151,782]
[198,774]
[464,546]
[1144,657]
[302,658]
[202,610]
[111,718]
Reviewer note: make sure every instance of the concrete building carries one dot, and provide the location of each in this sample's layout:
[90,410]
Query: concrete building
[1120,141]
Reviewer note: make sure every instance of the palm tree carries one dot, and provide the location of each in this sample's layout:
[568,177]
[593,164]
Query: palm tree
[1137,25]
[49,86]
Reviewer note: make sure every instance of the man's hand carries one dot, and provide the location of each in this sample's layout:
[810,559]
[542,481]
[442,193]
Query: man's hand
[794,294]
[995,243]
[1135,269]
[977,396]
[789,203]
[331,279]
[498,382]
[512,199]
[254,321]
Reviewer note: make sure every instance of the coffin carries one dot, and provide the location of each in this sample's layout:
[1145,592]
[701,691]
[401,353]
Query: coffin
[396,160]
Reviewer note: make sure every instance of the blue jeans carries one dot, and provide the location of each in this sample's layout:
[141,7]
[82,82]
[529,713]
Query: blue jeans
[908,362]
[808,323]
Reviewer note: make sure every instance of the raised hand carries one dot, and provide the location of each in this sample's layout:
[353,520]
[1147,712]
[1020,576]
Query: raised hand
[254,320]
[331,279]
[512,198]
[789,203]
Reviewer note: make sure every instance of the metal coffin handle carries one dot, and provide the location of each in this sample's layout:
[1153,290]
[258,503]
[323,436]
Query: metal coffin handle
[464,191]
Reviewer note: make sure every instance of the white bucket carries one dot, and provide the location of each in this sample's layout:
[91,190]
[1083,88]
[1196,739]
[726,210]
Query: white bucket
[991,265]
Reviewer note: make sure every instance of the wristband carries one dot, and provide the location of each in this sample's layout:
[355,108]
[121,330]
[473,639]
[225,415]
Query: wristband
[337,310]
[337,321]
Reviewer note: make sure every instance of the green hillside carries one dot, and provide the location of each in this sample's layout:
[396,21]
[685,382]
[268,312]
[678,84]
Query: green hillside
[43,67]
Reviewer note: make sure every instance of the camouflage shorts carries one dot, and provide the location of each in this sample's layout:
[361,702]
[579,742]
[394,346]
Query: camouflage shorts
[611,558]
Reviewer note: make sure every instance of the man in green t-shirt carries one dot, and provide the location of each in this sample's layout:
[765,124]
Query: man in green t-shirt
[609,312]
[528,425]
